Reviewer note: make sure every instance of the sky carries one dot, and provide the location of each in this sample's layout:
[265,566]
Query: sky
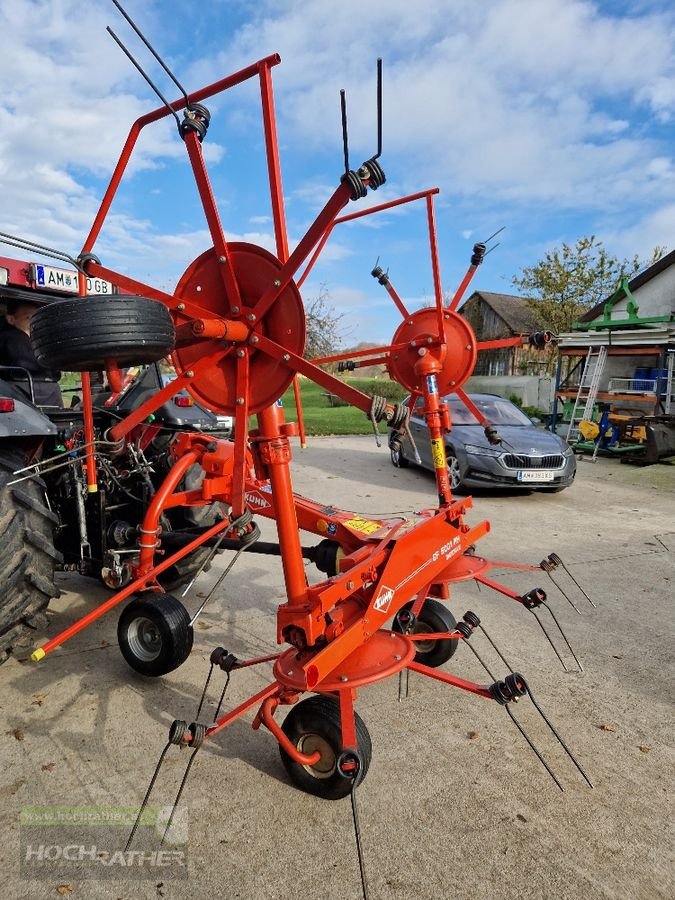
[552,118]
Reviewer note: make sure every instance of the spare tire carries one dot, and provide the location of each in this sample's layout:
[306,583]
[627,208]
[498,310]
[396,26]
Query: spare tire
[28,557]
[80,333]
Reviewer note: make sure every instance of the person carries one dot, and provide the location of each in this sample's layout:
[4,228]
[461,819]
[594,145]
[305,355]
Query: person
[16,350]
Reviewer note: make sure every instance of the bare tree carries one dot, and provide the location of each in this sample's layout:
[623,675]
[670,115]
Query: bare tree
[325,331]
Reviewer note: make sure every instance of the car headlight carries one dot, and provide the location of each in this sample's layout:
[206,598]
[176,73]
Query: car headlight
[481,451]
[568,451]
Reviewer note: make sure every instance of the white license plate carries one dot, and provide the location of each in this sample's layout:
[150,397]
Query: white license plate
[536,475]
[66,280]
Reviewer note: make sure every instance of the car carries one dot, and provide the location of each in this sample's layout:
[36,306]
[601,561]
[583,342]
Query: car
[527,457]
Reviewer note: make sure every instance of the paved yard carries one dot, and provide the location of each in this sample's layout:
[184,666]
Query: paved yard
[455,804]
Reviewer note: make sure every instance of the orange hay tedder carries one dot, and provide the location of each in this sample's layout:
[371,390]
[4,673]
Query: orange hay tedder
[239,326]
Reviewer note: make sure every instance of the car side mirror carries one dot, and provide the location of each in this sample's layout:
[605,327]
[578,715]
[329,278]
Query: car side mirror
[535,421]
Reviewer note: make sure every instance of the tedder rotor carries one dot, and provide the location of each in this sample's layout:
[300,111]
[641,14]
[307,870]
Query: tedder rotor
[239,325]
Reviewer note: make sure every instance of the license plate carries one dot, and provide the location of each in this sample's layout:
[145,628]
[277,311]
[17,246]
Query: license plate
[66,280]
[536,475]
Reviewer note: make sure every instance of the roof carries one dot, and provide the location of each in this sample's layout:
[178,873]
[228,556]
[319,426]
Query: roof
[641,278]
[514,310]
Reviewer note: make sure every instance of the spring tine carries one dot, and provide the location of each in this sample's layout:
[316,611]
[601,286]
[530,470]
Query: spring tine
[564,636]
[217,584]
[569,600]
[496,648]
[39,472]
[206,685]
[357,836]
[548,638]
[475,653]
[345,137]
[152,50]
[560,740]
[577,584]
[222,696]
[32,246]
[533,748]
[179,794]
[128,54]
[147,796]
[379,109]
[487,240]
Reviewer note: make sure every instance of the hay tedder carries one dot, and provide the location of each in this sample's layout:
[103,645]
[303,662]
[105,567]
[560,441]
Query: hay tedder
[237,324]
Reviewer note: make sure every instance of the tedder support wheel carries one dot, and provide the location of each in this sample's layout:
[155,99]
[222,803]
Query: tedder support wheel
[314,724]
[80,333]
[154,634]
[434,617]
[27,554]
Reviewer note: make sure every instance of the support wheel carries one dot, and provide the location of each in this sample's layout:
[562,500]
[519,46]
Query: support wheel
[154,634]
[434,617]
[314,724]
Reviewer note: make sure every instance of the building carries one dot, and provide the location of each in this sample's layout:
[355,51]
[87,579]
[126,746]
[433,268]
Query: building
[495,316]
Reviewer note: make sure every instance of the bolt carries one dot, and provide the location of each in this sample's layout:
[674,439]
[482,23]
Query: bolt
[290,672]
[468,347]
[422,351]
[350,585]
[429,340]
[277,283]
[240,353]
[190,373]
[199,287]
[286,357]
[413,343]
[221,259]
[453,382]
[235,310]
[251,317]
[254,339]
[446,316]
[397,656]
[344,678]
[180,307]
[240,401]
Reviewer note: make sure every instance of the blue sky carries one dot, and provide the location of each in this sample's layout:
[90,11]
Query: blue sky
[551,117]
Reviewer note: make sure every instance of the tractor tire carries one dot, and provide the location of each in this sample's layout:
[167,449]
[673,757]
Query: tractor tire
[27,555]
[80,333]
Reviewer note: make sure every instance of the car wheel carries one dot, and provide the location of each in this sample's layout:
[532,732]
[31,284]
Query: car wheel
[398,458]
[454,470]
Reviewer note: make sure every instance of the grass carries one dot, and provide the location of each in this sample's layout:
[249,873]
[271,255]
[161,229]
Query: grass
[321,418]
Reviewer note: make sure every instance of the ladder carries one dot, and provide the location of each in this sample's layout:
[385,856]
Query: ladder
[589,384]
[669,383]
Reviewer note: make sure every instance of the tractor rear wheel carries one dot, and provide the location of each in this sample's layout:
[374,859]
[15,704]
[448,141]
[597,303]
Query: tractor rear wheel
[80,333]
[27,554]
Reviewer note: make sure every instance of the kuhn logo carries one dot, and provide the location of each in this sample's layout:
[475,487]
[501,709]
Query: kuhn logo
[257,500]
[384,598]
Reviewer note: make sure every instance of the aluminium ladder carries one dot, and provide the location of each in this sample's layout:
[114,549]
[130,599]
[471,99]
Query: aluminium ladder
[589,385]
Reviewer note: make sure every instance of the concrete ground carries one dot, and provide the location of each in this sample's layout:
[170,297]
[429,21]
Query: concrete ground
[455,804]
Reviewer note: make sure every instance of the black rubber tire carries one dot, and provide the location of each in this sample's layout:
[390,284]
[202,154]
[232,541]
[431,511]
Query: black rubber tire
[314,724]
[154,634]
[27,555]
[434,617]
[398,458]
[80,333]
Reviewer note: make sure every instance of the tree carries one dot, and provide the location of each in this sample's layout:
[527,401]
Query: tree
[324,329]
[573,278]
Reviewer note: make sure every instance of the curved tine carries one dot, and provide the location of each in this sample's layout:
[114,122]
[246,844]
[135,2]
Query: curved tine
[569,599]
[564,636]
[548,638]
[496,648]
[560,740]
[533,748]
[147,796]
[179,794]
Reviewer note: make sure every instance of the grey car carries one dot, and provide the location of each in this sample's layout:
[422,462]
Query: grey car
[527,457]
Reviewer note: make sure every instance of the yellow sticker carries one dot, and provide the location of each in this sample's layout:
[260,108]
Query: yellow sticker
[438,453]
[364,526]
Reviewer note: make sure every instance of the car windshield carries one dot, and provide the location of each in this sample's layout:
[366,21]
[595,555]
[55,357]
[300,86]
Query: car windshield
[496,410]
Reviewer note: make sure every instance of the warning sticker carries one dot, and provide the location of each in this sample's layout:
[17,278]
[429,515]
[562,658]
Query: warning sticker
[384,598]
[438,453]
[363,526]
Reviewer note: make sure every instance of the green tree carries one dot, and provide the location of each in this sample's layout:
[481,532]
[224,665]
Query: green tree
[572,278]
